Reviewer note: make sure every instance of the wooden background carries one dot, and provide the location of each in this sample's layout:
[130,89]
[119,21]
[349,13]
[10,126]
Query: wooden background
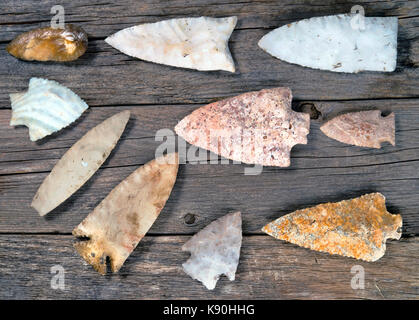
[159,96]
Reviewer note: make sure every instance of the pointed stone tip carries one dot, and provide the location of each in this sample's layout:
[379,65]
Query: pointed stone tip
[32,137]
[124,115]
[231,69]
[260,43]
[267,229]
[178,128]
[108,40]
[36,206]
[235,214]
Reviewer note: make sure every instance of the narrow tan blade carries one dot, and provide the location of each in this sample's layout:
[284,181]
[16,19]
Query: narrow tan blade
[364,128]
[256,127]
[355,228]
[122,219]
[79,163]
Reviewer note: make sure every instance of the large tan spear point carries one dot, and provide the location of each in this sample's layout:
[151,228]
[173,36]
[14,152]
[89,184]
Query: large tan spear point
[363,128]
[79,163]
[355,228]
[121,220]
[256,127]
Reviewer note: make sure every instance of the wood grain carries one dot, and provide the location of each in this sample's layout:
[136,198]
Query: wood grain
[268,268]
[20,155]
[105,76]
[321,171]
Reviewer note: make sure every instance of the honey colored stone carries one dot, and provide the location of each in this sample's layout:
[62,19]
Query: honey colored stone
[356,228]
[122,219]
[256,127]
[50,44]
[364,128]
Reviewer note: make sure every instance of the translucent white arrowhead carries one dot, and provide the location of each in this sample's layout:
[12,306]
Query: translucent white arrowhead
[340,43]
[215,250]
[45,108]
[194,43]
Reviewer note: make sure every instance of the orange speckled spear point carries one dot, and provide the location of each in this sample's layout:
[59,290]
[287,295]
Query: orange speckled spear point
[356,228]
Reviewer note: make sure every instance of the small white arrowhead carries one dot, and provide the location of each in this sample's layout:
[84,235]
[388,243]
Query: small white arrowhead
[336,43]
[215,250]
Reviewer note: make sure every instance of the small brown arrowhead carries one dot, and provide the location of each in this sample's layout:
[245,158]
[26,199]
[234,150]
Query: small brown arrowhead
[122,219]
[364,128]
[256,127]
[355,228]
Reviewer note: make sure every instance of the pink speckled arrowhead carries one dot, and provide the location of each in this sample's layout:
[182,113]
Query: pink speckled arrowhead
[256,127]
[364,128]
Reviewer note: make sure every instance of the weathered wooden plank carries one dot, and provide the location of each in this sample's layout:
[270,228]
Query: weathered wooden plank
[101,16]
[268,268]
[104,76]
[20,155]
[210,191]
[323,170]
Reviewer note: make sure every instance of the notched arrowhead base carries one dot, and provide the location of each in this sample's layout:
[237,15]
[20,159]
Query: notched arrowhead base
[356,228]
[95,253]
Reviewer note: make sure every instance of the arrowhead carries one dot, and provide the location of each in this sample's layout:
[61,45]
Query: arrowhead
[50,44]
[122,219]
[256,127]
[45,108]
[364,128]
[356,228]
[79,163]
[215,250]
[194,43]
[340,43]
